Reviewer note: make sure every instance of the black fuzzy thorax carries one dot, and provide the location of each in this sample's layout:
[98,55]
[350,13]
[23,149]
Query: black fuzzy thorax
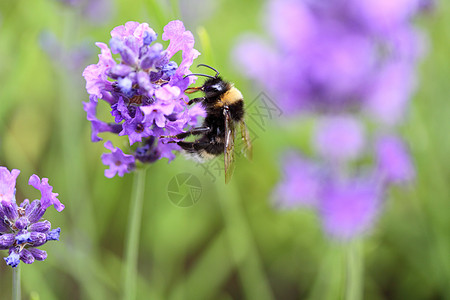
[214,88]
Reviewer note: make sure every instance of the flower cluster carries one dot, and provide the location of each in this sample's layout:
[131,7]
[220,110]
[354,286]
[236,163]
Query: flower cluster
[349,64]
[337,55]
[21,227]
[144,92]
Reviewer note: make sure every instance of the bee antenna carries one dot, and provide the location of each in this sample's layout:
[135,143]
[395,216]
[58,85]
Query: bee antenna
[203,65]
[194,74]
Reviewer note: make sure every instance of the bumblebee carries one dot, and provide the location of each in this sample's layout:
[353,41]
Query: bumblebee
[224,106]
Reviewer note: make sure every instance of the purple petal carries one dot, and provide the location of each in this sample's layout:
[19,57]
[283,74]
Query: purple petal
[54,234]
[180,39]
[8,184]
[118,162]
[167,93]
[23,237]
[96,75]
[13,259]
[48,198]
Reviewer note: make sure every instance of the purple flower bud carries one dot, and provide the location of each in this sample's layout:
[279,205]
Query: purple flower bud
[125,85]
[169,69]
[38,254]
[38,238]
[116,45]
[120,71]
[22,222]
[13,259]
[31,206]
[53,235]
[23,237]
[3,226]
[153,54]
[26,256]
[6,240]
[144,81]
[36,212]
[43,226]
[129,57]
[25,203]
[10,210]
[149,37]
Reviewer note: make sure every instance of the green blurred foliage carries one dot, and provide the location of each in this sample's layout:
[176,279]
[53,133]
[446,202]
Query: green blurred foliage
[232,244]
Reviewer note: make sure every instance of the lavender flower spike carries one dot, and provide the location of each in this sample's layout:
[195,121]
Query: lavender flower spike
[21,229]
[145,92]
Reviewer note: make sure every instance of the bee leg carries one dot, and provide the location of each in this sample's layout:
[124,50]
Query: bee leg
[193,90]
[192,146]
[196,100]
[194,131]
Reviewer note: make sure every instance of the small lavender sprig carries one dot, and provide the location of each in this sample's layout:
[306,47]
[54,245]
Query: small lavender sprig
[145,92]
[21,228]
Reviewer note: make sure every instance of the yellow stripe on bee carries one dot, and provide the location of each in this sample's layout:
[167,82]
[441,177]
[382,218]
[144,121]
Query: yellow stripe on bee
[231,96]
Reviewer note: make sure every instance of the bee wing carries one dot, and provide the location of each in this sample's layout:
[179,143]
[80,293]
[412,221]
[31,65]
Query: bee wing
[247,147]
[229,145]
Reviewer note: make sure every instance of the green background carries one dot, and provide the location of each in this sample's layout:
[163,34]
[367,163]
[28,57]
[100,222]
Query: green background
[231,244]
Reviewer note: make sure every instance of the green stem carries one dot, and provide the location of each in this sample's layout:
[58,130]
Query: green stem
[241,243]
[16,283]
[132,244]
[354,260]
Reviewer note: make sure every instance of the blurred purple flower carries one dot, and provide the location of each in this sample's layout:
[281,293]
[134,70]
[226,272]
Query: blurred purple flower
[145,90]
[349,209]
[71,58]
[390,92]
[381,16]
[96,11]
[341,61]
[394,162]
[327,55]
[301,183]
[339,138]
[21,228]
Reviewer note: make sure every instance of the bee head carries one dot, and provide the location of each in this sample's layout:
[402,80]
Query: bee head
[214,87]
